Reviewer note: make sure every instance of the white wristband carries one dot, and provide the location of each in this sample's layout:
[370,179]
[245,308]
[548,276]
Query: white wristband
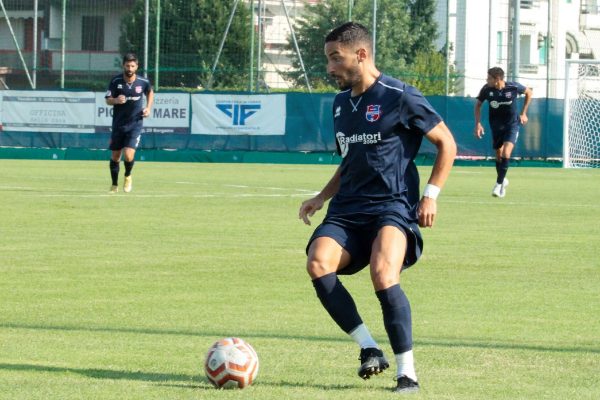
[431,191]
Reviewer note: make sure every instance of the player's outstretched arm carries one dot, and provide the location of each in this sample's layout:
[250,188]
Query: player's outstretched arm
[309,207]
[442,139]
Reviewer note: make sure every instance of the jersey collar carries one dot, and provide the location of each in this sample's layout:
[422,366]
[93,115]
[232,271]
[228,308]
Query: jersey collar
[369,88]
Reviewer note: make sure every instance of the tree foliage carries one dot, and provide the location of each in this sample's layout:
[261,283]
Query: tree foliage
[405,36]
[190,34]
[428,73]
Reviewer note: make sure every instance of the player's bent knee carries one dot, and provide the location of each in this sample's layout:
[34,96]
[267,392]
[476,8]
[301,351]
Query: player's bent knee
[384,280]
[317,269]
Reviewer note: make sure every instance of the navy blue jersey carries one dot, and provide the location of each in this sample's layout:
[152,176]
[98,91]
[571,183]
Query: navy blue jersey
[503,114]
[378,135]
[128,116]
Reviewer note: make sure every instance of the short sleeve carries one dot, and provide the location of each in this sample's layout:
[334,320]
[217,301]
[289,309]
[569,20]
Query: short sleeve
[416,114]
[111,91]
[481,95]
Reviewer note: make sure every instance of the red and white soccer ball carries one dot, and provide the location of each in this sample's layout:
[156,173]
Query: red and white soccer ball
[231,363]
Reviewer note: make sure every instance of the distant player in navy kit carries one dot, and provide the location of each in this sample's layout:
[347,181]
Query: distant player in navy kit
[125,92]
[375,211]
[504,120]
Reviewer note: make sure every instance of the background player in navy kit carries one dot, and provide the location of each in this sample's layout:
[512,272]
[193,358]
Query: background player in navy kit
[125,94]
[375,207]
[504,120]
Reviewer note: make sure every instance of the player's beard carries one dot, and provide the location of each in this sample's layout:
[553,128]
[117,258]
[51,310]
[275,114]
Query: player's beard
[129,74]
[349,79]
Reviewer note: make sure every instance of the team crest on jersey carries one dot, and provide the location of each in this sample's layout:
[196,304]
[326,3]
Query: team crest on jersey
[508,95]
[119,86]
[373,112]
[138,89]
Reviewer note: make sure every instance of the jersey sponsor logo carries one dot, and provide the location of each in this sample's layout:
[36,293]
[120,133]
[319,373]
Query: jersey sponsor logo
[238,112]
[373,112]
[496,104]
[338,111]
[133,98]
[138,89]
[365,138]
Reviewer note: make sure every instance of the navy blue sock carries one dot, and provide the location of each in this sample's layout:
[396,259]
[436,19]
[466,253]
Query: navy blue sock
[396,318]
[337,301]
[497,168]
[114,172]
[503,169]
[128,167]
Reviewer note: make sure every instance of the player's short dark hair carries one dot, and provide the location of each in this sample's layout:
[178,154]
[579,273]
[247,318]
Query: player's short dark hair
[129,57]
[350,33]
[496,72]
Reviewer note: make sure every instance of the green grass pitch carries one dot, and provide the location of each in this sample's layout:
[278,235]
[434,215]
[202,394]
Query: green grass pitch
[120,296]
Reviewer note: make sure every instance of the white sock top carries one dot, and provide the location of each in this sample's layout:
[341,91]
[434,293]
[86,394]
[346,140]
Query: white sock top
[406,365]
[362,337]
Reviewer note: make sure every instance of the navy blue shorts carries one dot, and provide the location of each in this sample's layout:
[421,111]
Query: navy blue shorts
[356,236]
[499,137]
[120,139]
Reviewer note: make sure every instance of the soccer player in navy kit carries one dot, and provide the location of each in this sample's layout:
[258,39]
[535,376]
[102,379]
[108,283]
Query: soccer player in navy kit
[125,94]
[375,211]
[504,120]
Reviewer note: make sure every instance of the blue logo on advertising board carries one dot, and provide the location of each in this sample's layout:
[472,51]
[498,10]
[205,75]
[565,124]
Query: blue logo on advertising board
[239,113]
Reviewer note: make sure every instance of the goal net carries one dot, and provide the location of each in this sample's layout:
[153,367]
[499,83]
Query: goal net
[581,141]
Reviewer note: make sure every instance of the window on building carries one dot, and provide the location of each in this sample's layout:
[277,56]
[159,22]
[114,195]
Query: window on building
[525,49]
[528,4]
[92,33]
[499,46]
[542,44]
[589,7]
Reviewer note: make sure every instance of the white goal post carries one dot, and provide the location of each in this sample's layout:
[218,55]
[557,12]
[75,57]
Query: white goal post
[581,129]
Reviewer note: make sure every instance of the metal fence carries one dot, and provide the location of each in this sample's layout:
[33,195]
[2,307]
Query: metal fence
[54,44]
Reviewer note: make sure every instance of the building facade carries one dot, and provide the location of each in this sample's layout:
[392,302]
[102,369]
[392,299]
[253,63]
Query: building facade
[481,35]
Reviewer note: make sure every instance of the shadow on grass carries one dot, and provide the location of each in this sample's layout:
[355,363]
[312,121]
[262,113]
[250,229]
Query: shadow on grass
[261,383]
[149,331]
[98,373]
[495,345]
[441,342]
[193,382]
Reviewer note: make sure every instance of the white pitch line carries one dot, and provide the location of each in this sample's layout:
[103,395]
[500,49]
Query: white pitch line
[17,188]
[271,188]
[296,192]
[520,203]
[204,195]
[251,187]
[107,195]
[267,195]
[460,171]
